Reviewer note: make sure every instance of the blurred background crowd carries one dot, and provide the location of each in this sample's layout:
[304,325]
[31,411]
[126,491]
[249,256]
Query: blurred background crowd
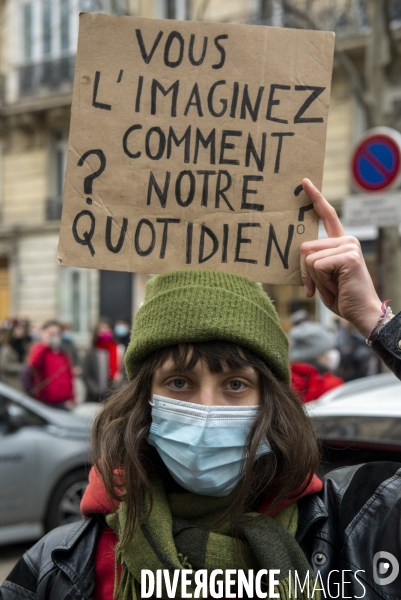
[46,363]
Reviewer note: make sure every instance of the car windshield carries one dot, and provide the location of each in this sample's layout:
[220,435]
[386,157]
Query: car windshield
[29,418]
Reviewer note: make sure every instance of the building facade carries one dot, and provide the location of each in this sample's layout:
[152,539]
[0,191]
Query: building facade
[37,56]
[38,45]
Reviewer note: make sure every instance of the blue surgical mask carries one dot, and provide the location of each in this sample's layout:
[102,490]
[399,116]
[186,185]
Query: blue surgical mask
[121,330]
[203,446]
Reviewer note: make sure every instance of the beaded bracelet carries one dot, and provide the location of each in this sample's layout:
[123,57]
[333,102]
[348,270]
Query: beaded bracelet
[386,312]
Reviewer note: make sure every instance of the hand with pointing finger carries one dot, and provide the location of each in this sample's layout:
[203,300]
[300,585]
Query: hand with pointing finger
[335,267]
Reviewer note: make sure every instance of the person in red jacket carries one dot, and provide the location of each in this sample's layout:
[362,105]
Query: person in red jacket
[52,368]
[313,358]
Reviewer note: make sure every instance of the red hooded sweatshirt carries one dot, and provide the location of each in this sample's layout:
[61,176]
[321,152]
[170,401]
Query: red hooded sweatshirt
[309,383]
[96,500]
[52,374]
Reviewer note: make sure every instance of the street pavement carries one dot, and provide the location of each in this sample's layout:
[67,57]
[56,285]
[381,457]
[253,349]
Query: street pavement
[9,555]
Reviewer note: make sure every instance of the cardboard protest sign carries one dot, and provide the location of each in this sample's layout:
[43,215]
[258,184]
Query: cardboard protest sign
[188,144]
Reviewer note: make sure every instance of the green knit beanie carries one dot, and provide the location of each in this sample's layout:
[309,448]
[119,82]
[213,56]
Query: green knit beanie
[201,306]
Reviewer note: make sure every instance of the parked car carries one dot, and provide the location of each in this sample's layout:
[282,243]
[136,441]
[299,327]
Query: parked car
[44,460]
[359,421]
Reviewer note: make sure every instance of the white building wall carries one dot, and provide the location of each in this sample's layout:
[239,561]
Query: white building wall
[338,147]
[42,286]
[37,277]
[24,187]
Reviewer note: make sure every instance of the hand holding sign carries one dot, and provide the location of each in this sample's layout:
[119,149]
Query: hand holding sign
[336,268]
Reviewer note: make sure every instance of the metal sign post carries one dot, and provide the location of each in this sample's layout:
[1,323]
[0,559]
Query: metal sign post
[376,170]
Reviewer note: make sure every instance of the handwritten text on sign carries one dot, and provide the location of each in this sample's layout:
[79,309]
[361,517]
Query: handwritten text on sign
[188,143]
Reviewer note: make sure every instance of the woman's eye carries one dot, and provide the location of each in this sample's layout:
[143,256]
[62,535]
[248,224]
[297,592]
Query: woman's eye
[178,384]
[236,386]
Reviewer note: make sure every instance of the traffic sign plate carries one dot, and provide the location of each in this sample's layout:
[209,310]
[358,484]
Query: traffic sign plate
[376,160]
[382,210]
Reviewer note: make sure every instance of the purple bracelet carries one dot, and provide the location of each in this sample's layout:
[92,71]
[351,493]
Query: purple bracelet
[386,311]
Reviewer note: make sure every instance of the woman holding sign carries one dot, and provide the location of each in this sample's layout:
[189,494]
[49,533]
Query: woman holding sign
[204,481]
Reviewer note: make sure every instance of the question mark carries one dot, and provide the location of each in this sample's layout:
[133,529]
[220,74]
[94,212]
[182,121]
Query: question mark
[302,210]
[86,239]
[89,179]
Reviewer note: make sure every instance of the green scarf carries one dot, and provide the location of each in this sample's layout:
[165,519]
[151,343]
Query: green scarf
[177,535]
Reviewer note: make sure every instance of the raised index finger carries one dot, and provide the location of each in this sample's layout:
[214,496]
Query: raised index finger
[324,210]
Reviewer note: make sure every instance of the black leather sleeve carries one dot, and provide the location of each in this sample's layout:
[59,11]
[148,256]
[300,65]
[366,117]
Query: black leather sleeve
[388,345]
[20,583]
[59,566]
[355,517]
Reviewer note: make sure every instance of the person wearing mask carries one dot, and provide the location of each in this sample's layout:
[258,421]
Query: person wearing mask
[101,369]
[12,355]
[204,465]
[122,331]
[314,358]
[33,332]
[51,368]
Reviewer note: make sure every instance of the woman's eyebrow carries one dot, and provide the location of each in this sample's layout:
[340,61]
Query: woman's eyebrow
[184,370]
[237,369]
[244,371]
[173,370]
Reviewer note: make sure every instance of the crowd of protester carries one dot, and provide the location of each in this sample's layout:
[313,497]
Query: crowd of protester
[45,362]
[322,359]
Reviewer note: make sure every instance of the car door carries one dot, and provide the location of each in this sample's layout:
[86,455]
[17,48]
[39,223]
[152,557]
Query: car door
[19,463]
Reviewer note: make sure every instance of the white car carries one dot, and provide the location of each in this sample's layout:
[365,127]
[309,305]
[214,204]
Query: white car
[44,462]
[359,421]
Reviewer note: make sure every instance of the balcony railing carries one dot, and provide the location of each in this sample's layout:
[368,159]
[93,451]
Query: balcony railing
[46,77]
[346,17]
[54,208]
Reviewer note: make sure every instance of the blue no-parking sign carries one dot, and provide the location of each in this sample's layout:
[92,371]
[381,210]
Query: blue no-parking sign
[376,160]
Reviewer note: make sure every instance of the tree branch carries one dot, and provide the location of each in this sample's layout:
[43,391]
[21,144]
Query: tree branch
[348,66]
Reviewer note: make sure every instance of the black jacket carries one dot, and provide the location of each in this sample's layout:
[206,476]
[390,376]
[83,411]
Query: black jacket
[388,345]
[341,531]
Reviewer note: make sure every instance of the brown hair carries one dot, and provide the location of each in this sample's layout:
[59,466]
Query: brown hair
[121,428]
[95,333]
